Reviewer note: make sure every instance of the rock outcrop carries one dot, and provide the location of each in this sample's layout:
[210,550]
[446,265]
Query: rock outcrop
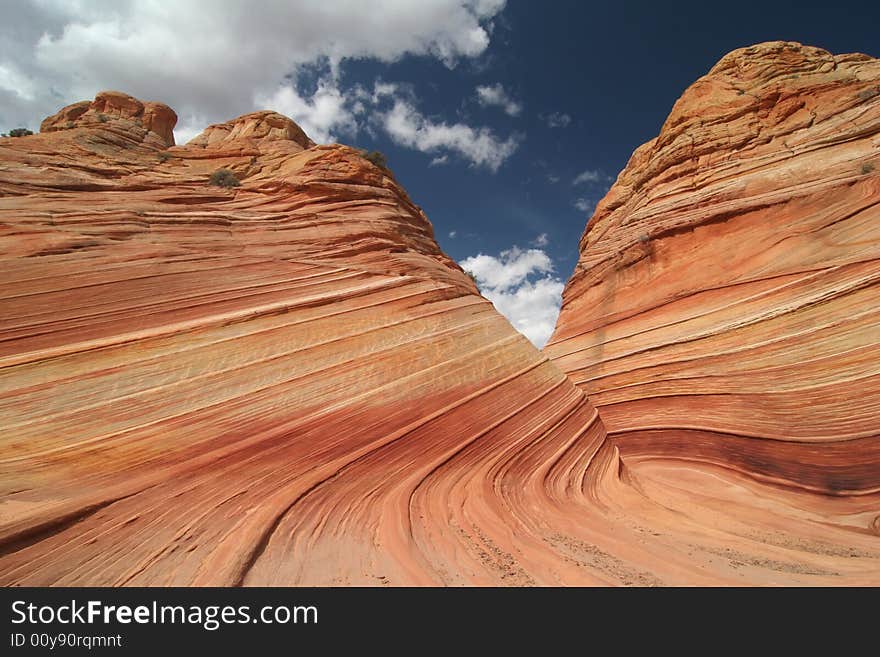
[724,316]
[153,119]
[287,382]
[282,382]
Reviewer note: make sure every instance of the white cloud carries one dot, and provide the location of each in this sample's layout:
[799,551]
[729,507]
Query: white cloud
[496,95]
[14,81]
[585,205]
[407,127]
[439,161]
[541,240]
[186,129]
[589,176]
[552,179]
[453,234]
[531,306]
[321,116]
[382,89]
[557,120]
[213,59]
[510,269]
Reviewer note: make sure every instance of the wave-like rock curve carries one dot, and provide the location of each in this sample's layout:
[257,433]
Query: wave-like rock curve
[287,382]
[724,316]
[284,382]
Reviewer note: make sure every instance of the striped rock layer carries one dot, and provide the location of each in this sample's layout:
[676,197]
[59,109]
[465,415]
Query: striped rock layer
[287,382]
[724,316]
[284,382]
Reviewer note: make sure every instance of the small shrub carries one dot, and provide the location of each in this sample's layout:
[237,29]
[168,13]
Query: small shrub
[867,168]
[376,157]
[164,157]
[19,132]
[471,276]
[868,94]
[644,239]
[224,178]
[102,118]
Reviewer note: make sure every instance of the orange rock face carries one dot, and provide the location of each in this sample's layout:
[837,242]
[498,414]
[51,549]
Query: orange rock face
[157,119]
[724,316]
[287,382]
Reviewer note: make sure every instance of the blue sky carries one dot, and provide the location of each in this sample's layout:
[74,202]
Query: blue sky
[505,122]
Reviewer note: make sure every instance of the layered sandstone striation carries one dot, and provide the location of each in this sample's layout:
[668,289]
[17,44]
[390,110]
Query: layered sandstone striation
[287,382]
[284,382]
[724,315]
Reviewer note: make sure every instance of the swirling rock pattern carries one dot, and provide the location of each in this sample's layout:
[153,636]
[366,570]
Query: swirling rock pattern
[282,382]
[724,316]
[287,382]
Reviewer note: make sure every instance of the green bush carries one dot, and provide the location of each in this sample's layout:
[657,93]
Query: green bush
[376,157]
[867,168]
[164,157]
[224,178]
[19,132]
[102,118]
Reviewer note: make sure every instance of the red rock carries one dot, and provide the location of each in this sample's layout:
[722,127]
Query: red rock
[724,316]
[286,382]
[156,118]
[255,127]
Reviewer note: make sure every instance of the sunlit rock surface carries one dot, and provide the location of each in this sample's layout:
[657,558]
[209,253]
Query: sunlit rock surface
[724,316]
[287,382]
[284,382]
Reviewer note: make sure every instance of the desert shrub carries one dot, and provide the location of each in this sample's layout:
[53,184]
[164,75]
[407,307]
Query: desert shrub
[102,118]
[224,178]
[164,157]
[867,168]
[376,157]
[19,132]
[471,276]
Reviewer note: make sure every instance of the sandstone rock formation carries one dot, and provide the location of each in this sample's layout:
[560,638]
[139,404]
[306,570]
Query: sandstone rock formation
[135,117]
[287,382]
[725,312]
[284,382]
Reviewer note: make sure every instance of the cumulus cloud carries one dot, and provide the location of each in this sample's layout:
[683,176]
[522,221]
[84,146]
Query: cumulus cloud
[521,286]
[408,127]
[215,59]
[453,234]
[187,129]
[541,240]
[557,119]
[496,95]
[586,205]
[589,176]
[385,89]
[439,161]
[322,115]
